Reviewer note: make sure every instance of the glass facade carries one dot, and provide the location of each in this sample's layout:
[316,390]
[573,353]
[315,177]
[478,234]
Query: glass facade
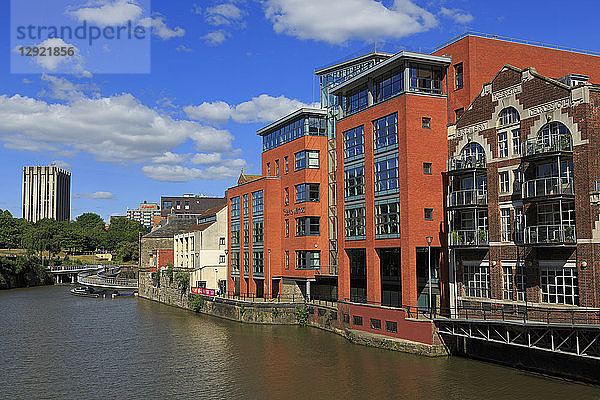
[235,207]
[387,219]
[354,182]
[257,231]
[385,132]
[388,85]
[354,143]
[425,78]
[386,175]
[356,100]
[307,159]
[355,222]
[304,126]
[257,202]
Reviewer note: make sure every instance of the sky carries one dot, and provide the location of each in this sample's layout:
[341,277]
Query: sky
[176,111]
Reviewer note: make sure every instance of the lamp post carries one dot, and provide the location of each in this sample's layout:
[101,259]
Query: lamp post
[226,266]
[429,240]
[269,274]
[216,280]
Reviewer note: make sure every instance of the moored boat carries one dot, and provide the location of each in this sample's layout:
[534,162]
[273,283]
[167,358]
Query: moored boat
[84,292]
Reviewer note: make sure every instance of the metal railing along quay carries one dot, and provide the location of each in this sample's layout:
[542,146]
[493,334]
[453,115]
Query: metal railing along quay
[108,282]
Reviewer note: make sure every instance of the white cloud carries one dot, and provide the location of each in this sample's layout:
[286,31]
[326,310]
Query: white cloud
[183,48]
[63,89]
[224,14]
[27,81]
[95,195]
[61,164]
[177,173]
[206,158]
[263,108]
[116,129]
[215,38]
[63,64]
[116,12]
[459,16]
[354,19]
[160,29]
[170,158]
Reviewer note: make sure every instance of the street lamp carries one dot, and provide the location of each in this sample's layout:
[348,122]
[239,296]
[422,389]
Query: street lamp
[216,280]
[429,240]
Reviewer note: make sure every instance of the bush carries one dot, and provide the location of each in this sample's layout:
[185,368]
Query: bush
[156,278]
[302,315]
[196,303]
[182,279]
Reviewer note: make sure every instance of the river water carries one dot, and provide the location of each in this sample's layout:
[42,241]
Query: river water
[57,346]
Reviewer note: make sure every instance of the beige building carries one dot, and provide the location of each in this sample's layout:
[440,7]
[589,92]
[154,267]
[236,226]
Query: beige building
[145,213]
[46,193]
[201,249]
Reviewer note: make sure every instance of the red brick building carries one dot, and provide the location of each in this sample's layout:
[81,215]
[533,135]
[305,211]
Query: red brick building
[523,203]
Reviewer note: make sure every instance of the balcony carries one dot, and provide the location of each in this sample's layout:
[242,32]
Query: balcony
[549,144]
[464,162]
[544,187]
[469,238]
[469,197]
[550,234]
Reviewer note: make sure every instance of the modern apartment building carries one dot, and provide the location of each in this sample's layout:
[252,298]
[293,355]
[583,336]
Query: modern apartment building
[201,250]
[145,213]
[188,204]
[46,193]
[523,195]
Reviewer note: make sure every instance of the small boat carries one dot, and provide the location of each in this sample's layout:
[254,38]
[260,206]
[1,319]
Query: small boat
[84,292]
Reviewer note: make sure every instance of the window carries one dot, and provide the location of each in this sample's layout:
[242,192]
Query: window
[257,202]
[221,259]
[178,204]
[286,164]
[287,228]
[257,230]
[246,263]
[425,78]
[316,127]
[307,226]
[516,141]
[308,259]
[458,76]
[426,122]
[287,259]
[507,283]
[508,116]
[167,205]
[386,174]
[307,192]
[222,241]
[355,222]
[476,280]
[246,233]
[235,207]
[520,280]
[559,285]
[268,169]
[502,144]
[246,208]
[355,100]
[276,167]
[429,214]
[385,131]
[354,142]
[517,180]
[388,85]
[307,159]
[505,224]
[427,168]
[356,320]
[387,219]
[235,262]
[354,181]
[391,326]
[519,225]
[235,234]
[187,205]
[504,182]
[286,199]
[375,324]
[258,262]
[458,112]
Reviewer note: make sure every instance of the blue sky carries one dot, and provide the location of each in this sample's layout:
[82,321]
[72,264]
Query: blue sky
[219,70]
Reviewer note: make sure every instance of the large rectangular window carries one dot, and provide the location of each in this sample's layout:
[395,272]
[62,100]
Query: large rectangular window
[307,159]
[385,132]
[307,226]
[235,262]
[354,144]
[388,85]
[257,230]
[355,100]
[504,182]
[476,280]
[354,182]
[502,144]
[386,175]
[257,202]
[258,262]
[246,263]
[516,142]
[559,285]
[235,234]
[425,78]
[246,207]
[458,76]
[308,259]
[505,224]
[387,219]
[246,233]
[235,207]
[355,222]
[507,283]
[307,192]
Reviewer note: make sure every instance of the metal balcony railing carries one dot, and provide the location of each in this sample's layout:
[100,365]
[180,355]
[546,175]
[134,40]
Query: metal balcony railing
[552,186]
[550,234]
[457,163]
[469,238]
[548,144]
[469,197]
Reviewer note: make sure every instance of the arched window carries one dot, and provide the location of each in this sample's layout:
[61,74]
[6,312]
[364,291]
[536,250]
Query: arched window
[555,136]
[509,116]
[474,151]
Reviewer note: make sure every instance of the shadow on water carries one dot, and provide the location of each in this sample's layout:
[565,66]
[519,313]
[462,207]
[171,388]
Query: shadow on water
[55,346]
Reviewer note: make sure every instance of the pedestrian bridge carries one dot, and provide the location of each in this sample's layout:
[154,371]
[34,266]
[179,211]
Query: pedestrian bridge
[95,280]
[69,273]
